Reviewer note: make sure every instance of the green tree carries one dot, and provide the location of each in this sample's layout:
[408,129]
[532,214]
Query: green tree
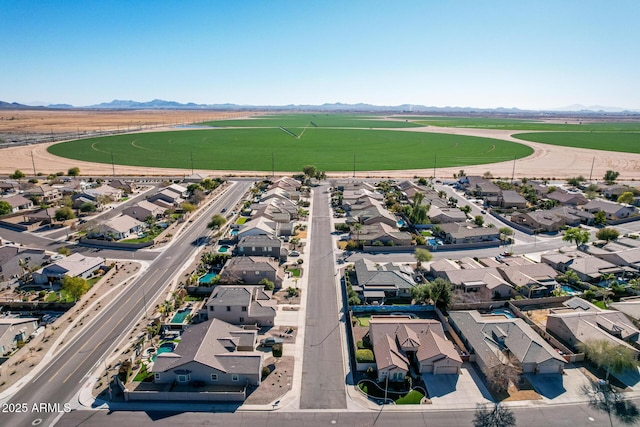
[310,171]
[478,220]
[610,357]
[64,214]
[64,251]
[499,376]
[208,184]
[441,293]
[466,209]
[75,286]
[188,207]
[600,218]
[87,207]
[18,174]
[421,294]
[607,234]
[576,235]
[5,208]
[193,187]
[268,284]
[216,222]
[73,171]
[422,255]
[576,180]
[505,232]
[626,197]
[611,176]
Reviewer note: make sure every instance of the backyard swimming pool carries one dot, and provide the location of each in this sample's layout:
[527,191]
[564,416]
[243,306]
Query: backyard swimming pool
[166,347]
[223,249]
[181,315]
[207,278]
[503,312]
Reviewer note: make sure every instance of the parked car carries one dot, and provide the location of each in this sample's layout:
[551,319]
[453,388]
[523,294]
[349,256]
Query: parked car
[270,341]
[294,253]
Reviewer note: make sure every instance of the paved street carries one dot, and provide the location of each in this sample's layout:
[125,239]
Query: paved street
[68,370]
[323,376]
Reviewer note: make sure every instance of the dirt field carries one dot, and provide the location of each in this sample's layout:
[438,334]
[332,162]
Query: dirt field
[547,161]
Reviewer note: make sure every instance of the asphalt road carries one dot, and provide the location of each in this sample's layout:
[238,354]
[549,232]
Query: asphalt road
[323,376]
[68,371]
[556,416]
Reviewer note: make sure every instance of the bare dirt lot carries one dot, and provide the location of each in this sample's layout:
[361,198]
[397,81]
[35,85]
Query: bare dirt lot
[547,161]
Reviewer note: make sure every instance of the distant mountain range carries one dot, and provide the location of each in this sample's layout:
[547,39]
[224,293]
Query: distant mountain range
[159,104]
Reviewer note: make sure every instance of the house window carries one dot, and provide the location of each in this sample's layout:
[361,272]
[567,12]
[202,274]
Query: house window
[228,308]
[244,308]
[157,376]
[184,378]
[214,377]
[235,377]
[241,319]
[253,248]
[210,308]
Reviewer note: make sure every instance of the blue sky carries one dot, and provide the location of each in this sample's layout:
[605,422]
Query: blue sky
[526,54]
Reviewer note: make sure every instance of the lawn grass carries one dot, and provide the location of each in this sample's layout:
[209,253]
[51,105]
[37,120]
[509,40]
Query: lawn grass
[300,121]
[414,397]
[93,281]
[327,149]
[610,141]
[364,320]
[64,296]
[519,124]
[295,272]
[242,220]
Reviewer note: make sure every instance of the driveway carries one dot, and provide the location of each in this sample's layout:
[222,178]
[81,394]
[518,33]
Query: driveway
[566,388]
[456,391]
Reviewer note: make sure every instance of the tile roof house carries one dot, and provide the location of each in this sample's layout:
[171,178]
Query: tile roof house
[580,321]
[117,228]
[588,267]
[472,280]
[144,209]
[613,211]
[258,226]
[480,187]
[251,270]
[400,341]
[383,233]
[75,265]
[11,257]
[17,202]
[45,192]
[532,280]
[178,190]
[379,281]
[112,193]
[287,183]
[214,353]
[457,232]
[242,305]
[567,199]
[128,187]
[261,245]
[491,338]
[372,213]
[15,330]
[439,215]
[44,216]
[166,198]
[510,199]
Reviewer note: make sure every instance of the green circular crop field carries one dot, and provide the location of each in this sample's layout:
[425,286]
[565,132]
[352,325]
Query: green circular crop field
[626,142]
[289,149]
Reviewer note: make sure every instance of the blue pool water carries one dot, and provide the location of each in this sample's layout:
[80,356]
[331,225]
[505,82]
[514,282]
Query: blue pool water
[504,312]
[180,316]
[234,232]
[401,223]
[167,347]
[569,290]
[207,278]
[434,242]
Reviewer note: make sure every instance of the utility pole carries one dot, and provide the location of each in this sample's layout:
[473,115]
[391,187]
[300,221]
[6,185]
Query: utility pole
[273,165]
[192,163]
[113,165]
[513,172]
[592,163]
[33,162]
[354,165]
[435,162]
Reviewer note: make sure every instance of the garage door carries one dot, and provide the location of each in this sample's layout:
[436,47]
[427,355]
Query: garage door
[548,369]
[444,370]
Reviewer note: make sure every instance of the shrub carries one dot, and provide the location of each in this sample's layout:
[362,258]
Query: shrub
[364,356]
[371,372]
[265,372]
[277,350]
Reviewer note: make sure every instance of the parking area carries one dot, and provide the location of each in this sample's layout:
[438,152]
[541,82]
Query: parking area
[456,391]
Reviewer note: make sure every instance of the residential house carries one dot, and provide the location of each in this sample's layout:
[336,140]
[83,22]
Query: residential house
[373,212]
[398,342]
[580,321]
[510,199]
[117,228]
[551,220]
[211,353]
[261,245]
[473,280]
[242,305]
[438,215]
[45,193]
[280,193]
[382,234]
[618,255]
[277,210]
[43,216]
[143,210]
[613,211]
[251,270]
[287,183]
[531,280]
[177,189]
[630,306]
[129,187]
[567,199]
[491,339]
[18,203]
[588,267]
[103,192]
[480,187]
[194,178]
[457,233]
[15,262]
[376,282]
[75,265]
[15,331]
[9,186]
[258,226]
[612,192]
[166,198]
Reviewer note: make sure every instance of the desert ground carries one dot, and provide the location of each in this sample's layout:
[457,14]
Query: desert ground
[547,161]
